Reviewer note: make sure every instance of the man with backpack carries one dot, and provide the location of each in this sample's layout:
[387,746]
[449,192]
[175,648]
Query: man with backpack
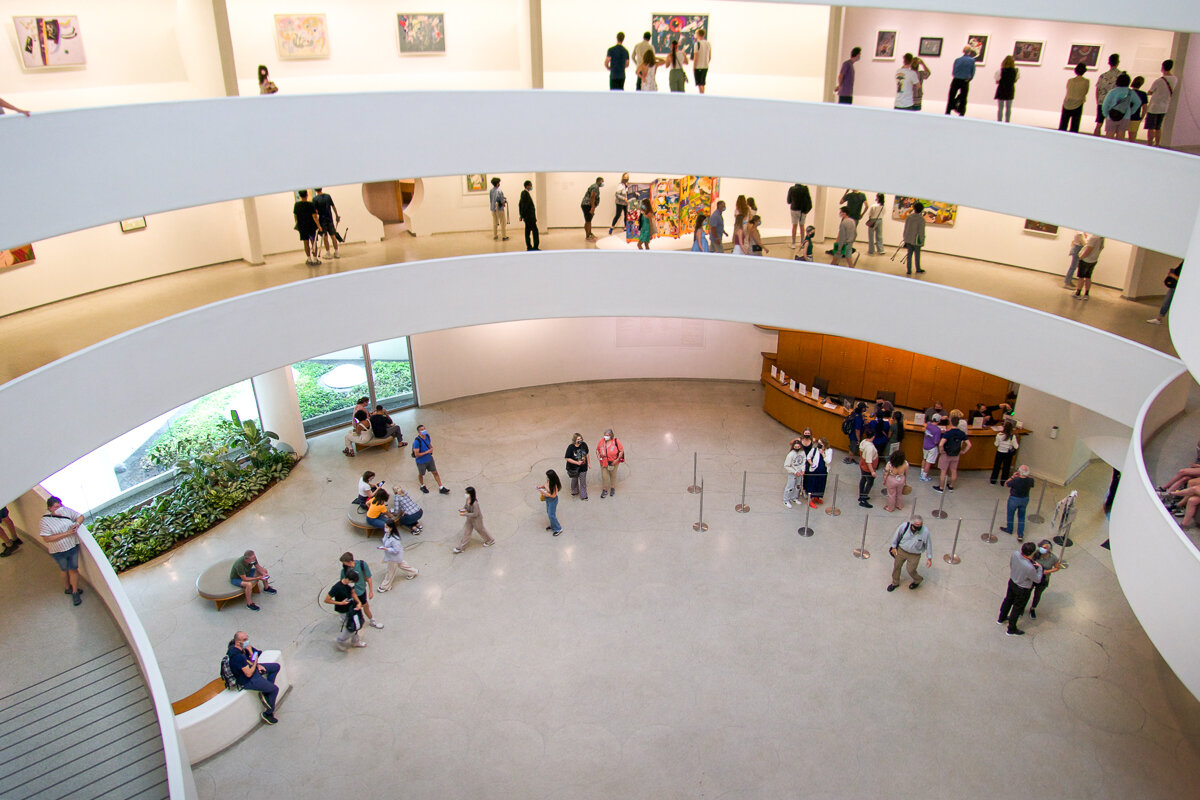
[345,602]
[241,669]
[953,446]
[909,541]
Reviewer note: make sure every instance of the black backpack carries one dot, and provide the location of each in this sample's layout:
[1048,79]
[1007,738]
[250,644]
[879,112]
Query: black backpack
[848,425]
[227,674]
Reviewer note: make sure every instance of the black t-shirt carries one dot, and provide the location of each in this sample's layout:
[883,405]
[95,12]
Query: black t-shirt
[579,453]
[1019,487]
[379,425]
[855,202]
[304,211]
[953,440]
[324,205]
[342,594]
[239,659]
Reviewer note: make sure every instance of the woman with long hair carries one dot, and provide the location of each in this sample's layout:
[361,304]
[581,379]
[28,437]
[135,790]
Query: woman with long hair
[676,61]
[473,521]
[1006,88]
[265,86]
[647,71]
[699,239]
[577,465]
[817,472]
[896,434]
[895,476]
[645,226]
[549,492]
[793,466]
[751,237]
[1006,451]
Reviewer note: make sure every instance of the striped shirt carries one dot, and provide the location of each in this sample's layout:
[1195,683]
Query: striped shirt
[60,521]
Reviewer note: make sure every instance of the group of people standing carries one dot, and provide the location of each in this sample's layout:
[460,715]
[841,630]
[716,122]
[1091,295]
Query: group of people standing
[646,62]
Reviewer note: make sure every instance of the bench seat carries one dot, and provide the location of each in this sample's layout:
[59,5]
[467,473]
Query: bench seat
[213,584]
[386,444]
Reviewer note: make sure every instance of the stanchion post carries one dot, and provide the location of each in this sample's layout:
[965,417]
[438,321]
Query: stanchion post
[953,557]
[1062,550]
[1036,516]
[741,507]
[804,530]
[912,510]
[939,512]
[861,551]
[833,510]
[700,524]
[694,489]
[988,537]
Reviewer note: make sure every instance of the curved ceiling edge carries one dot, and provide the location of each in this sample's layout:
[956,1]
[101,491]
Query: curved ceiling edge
[1168,15]
[206,348]
[186,158]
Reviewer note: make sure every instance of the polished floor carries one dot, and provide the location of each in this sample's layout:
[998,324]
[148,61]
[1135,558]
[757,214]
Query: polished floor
[635,657]
[33,338]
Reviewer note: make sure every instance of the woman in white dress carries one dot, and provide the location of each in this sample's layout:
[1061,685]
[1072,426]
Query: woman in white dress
[648,71]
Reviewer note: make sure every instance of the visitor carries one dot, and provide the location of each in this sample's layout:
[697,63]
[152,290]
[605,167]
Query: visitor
[473,522]
[1171,281]
[895,477]
[621,198]
[648,72]
[364,587]
[699,239]
[1135,122]
[752,237]
[360,428]
[701,58]
[383,427]
[799,200]
[794,465]
[843,248]
[615,62]
[816,472]
[645,226]
[875,226]
[527,213]
[1072,107]
[589,204]
[1119,106]
[265,84]
[366,489]
[251,674]
[676,61]
[952,447]
[1007,444]
[914,238]
[1006,88]
[611,454]
[327,219]
[8,534]
[577,466]
[638,56]
[1105,84]
[393,558]
[1088,257]
[422,453]
[1161,93]
[923,72]
[499,208]
[307,225]
[962,72]
[245,574]
[716,229]
[345,602]
[1077,242]
[58,529]
[548,492]
[405,510]
[844,88]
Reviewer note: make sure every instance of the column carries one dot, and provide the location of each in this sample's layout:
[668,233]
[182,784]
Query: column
[537,80]
[279,407]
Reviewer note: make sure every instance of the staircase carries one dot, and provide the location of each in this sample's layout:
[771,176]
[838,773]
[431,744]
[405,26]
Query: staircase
[84,733]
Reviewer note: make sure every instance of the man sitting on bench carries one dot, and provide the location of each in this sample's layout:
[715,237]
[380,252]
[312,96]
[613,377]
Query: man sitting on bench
[383,427]
[252,675]
[246,572]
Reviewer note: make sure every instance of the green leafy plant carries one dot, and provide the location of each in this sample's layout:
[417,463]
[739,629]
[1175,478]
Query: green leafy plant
[209,486]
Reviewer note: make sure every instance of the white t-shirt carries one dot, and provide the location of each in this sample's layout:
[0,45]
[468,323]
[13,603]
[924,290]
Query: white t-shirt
[702,54]
[875,211]
[1160,94]
[906,79]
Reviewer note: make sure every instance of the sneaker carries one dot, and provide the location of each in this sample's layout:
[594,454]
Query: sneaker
[1015,632]
[891,587]
[865,503]
[951,488]
[1033,613]
[456,550]
[359,643]
[424,489]
[925,479]
[348,452]
[443,490]
[558,532]
[1000,621]
[77,598]
[335,255]
[9,549]
[380,589]
[376,624]
[1076,295]
[489,544]
[268,718]
[914,585]
[415,574]
[271,590]
[612,492]
[68,591]
[814,503]
[1085,297]
[252,607]
[920,271]
[1006,530]
[938,489]
[603,493]
[1155,321]
[505,239]
[787,503]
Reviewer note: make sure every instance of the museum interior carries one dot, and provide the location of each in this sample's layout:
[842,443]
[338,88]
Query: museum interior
[692,632]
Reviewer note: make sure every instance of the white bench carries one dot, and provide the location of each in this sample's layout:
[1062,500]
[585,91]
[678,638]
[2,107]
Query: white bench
[215,718]
[386,444]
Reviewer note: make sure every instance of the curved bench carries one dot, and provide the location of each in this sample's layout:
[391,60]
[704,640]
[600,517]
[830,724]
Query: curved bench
[213,584]
[356,515]
[386,444]
[214,718]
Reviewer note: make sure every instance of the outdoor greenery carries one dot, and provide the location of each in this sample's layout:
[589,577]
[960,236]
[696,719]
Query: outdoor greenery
[391,378]
[210,485]
[194,431]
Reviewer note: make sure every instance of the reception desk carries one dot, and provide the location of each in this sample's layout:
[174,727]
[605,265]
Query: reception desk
[825,419]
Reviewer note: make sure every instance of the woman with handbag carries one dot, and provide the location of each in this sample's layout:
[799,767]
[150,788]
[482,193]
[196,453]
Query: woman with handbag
[895,476]
[611,454]
[751,237]
[816,473]
[676,61]
[1006,451]
[577,465]
[549,493]
[875,227]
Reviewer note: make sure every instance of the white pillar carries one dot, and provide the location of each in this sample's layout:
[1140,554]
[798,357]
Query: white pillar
[279,407]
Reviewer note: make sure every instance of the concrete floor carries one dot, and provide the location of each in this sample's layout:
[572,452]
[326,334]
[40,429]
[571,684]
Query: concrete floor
[635,657]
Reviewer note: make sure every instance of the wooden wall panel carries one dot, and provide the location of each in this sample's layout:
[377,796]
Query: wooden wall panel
[887,370]
[799,354]
[970,390]
[842,362]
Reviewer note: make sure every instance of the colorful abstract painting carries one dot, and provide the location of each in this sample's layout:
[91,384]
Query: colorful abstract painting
[885,45]
[49,42]
[17,255]
[1086,54]
[665,202]
[697,196]
[936,212]
[475,183]
[664,28]
[301,36]
[675,203]
[1028,52]
[979,43]
[422,33]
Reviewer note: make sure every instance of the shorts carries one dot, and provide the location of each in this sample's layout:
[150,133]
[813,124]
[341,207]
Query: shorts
[238,581]
[587,213]
[1100,115]
[946,462]
[67,560]
[1086,269]
[426,466]
[798,217]
[307,233]
[841,250]
[4,513]
[845,100]
[701,75]
[327,225]
[930,455]
[1154,122]
[1116,126]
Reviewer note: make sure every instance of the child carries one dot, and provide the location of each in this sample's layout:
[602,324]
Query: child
[806,248]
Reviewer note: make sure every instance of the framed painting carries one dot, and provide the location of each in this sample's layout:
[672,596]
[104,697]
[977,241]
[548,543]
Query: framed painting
[1086,54]
[664,28]
[49,42]
[475,183]
[1033,226]
[16,256]
[131,225]
[979,43]
[301,36]
[1028,53]
[422,33]
[936,212]
[885,46]
[930,47]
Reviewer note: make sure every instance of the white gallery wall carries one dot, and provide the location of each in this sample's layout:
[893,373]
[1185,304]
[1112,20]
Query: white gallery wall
[487,47]
[277,226]
[1040,89]
[490,358]
[759,49]
[443,205]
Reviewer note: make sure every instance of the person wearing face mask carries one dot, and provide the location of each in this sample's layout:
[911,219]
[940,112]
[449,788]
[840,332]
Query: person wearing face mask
[1049,563]
[794,464]
[422,453]
[577,465]
[910,540]
[252,675]
[611,454]
[473,522]
[1024,572]
[816,472]
[1019,486]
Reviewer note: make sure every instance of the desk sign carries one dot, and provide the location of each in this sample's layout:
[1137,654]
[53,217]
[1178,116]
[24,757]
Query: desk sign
[918,419]
[792,384]
[774,371]
[816,393]
[977,423]
[783,378]
[801,388]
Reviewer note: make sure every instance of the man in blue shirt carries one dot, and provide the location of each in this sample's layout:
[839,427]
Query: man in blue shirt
[252,675]
[961,73]
[615,62]
[422,452]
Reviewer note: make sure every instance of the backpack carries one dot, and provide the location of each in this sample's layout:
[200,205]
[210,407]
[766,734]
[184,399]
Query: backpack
[227,674]
[953,445]
[848,425]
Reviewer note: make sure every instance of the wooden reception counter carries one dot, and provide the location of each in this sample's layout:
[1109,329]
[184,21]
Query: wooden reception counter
[825,418]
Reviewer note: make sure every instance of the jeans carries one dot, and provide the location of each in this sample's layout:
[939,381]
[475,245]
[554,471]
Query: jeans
[408,520]
[864,485]
[875,237]
[579,484]
[1004,111]
[1038,588]
[552,513]
[1014,605]
[619,217]
[1016,505]
[957,101]
[379,522]
[913,256]
[1075,250]
[265,683]
[791,491]
[1166,304]
[532,237]
[1002,465]
[1069,119]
